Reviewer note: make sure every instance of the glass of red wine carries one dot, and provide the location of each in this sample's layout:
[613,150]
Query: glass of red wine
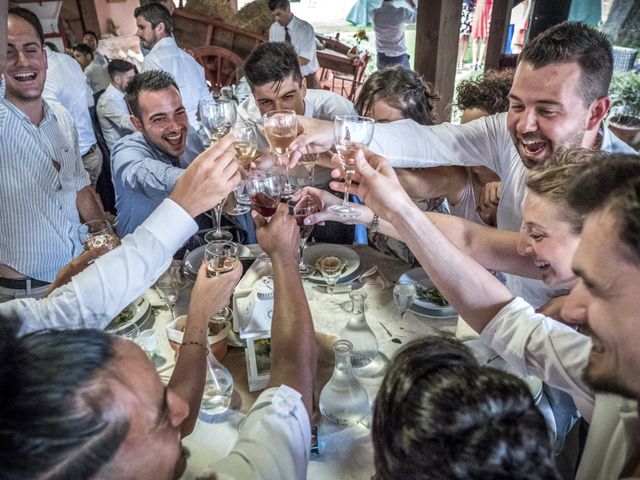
[264,189]
[281,129]
[301,209]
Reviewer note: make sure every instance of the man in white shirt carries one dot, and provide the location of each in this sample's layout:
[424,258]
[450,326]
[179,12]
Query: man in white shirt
[290,29]
[605,302]
[113,113]
[389,23]
[155,30]
[95,73]
[91,39]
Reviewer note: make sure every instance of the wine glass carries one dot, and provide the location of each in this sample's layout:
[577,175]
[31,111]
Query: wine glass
[351,134]
[246,143]
[97,234]
[301,209]
[404,294]
[221,257]
[331,268]
[281,129]
[264,189]
[217,117]
[167,287]
[308,161]
[242,200]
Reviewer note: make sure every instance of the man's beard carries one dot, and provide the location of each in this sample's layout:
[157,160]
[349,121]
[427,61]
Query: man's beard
[606,383]
[573,141]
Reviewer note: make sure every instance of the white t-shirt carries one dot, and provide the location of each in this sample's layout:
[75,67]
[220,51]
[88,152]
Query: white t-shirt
[303,39]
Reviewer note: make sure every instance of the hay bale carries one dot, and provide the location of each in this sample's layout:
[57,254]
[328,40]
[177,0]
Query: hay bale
[210,8]
[255,17]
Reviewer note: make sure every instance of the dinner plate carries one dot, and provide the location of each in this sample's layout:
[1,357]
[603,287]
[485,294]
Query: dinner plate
[352,261]
[141,311]
[422,306]
[193,259]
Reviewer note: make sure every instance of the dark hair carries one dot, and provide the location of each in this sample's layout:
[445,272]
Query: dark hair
[31,18]
[92,33]
[52,46]
[402,89]
[575,42]
[612,183]
[440,415]
[84,49]
[282,4]
[152,81]
[488,92]
[155,14]
[117,66]
[272,62]
[57,415]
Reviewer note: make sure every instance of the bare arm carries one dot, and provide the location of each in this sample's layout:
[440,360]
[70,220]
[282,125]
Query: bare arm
[89,206]
[434,182]
[209,295]
[303,61]
[293,347]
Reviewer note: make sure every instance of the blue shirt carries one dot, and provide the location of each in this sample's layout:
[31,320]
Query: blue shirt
[143,176]
[41,171]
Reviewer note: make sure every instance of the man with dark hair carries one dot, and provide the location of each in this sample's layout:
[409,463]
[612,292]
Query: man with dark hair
[91,39]
[113,113]
[146,165]
[299,34]
[154,29]
[46,192]
[439,414]
[96,74]
[168,4]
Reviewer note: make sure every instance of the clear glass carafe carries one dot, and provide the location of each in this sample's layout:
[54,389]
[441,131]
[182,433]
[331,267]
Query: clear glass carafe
[343,400]
[218,387]
[358,332]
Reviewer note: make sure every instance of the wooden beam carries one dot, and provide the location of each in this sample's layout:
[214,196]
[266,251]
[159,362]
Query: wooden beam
[437,32]
[500,19]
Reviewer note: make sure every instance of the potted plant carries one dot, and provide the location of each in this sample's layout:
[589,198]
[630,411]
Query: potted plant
[625,107]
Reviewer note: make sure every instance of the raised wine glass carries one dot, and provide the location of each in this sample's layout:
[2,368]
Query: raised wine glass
[351,134]
[167,287]
[264,189]
[404,294]
[301,209]
[309,161]
[217,117]
[331,268]
[281,129]
[245,144]
[221,257]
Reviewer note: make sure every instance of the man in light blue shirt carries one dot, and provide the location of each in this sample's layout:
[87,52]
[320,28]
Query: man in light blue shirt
[146,164]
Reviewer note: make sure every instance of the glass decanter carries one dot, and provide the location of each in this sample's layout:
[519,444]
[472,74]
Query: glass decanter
[358,332]
[218,387]
[343,400]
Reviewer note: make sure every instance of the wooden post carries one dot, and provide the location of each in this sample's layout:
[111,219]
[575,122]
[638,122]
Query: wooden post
[437,32]
[500,19]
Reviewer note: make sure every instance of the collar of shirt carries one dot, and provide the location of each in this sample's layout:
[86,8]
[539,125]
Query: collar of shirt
[11,108]
[165,42]
[113,92]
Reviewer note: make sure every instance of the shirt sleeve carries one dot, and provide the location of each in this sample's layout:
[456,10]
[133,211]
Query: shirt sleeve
[545,348]
[410,15]
[407,144]
[80,174]
[97,294]
[138,171]
[274,442]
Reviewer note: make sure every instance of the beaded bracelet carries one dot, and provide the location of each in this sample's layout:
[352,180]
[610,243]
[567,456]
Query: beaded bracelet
[375,223]
[206,350]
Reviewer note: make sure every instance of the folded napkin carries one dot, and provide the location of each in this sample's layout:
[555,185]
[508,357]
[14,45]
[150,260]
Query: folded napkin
[376,277]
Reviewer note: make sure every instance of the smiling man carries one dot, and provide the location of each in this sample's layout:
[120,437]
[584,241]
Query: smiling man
[146,164]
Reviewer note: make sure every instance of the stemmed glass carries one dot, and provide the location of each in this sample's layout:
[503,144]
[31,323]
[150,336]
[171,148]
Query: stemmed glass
[308,161]
[331,268]
[167,287]
[217,117]
[351,134]
[264,189]
[301,209]
[242,200]
[404,294]
[281,129]
[246,143]
[221,257]
[97,234]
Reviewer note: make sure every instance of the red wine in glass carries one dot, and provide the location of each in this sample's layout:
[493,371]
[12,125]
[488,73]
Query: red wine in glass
[264,204]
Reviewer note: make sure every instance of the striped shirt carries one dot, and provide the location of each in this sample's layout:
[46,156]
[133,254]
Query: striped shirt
[39,219]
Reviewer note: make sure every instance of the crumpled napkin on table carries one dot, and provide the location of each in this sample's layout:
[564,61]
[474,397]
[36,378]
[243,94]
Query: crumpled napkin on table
[376,277]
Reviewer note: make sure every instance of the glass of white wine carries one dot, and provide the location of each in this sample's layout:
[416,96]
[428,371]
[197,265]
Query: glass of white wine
[281,129]
[245,144]
[217,117]
[351,134]
[331,268]
[221,257]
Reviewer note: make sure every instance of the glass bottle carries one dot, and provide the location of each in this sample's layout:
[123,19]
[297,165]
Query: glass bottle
[343,400]
[218,387]
[358,332]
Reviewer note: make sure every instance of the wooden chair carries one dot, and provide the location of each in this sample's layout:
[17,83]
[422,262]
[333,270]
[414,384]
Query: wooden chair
[338,71]
[222,67]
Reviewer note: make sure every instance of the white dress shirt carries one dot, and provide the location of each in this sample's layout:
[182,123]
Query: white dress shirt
[67,84]
[485,142]
[274,440]
[540,346]
[96,295]
[389,25]
[188,74]
[97,76]
[303,39]
[113,115]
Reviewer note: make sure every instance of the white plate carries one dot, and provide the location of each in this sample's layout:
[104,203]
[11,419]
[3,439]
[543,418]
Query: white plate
[140,308]
[423,307]
[352,260]
[193,259]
